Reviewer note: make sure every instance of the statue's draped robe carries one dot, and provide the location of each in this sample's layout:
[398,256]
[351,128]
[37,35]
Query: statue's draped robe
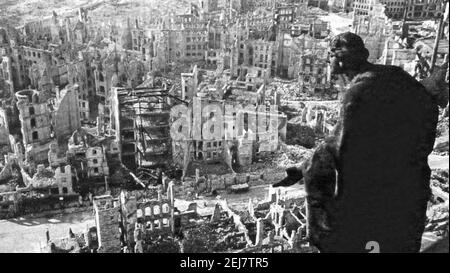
[377,156]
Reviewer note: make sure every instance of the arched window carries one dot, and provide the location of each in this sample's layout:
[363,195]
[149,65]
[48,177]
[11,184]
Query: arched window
[148,211]
[156,210]
[33,123]
[139,213]
[31,110]
[165,208]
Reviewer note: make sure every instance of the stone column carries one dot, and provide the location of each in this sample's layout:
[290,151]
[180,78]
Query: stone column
[170,195]
[197,176]
[271,236]
[259,232]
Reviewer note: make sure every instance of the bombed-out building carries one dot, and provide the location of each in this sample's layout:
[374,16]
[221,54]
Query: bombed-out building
[140,123]
[37,128]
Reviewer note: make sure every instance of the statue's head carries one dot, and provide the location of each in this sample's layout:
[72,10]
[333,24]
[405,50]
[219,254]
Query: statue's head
[347,52]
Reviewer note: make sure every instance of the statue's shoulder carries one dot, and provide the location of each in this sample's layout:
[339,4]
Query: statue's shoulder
[378,72]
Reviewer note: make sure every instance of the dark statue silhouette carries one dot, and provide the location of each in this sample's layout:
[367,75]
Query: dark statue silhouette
[368,182]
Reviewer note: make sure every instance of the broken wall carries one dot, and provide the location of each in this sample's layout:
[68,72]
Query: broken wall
[34,116]
[67,115]
[4,130]
[107,223]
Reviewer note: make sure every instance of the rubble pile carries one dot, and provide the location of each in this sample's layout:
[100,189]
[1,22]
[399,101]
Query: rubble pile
[12,184]
[442,127]
[291,112]
[442,136]
[439,178]
[45,173]
[297,134]
[438,211]
[250,223]
[292,155]
[44,178]
[438,219]
[161,244]
[213,237]
[245,216]
[292,91]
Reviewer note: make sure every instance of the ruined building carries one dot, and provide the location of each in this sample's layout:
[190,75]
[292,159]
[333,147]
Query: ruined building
[6,78]
[374,28]
[87,154]
[313,73]
[49,181]
[414,9]
[222,131]
[140,123]
[257,57]
[37,129]
[107,222]
[424,8]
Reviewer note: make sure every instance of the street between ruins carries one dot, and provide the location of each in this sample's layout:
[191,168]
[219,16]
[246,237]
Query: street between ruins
[19,234]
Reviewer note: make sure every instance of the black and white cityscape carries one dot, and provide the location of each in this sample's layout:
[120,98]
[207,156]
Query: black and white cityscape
[224,126]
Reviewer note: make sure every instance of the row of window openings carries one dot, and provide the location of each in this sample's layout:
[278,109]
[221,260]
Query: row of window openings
[395,4]
[193,47]
[29,54]
[363,2]
[286,11]
[261,48]
[156,224]
[156,211]
[198,39]
[209,155]
[287,19]
[395,10]
[214,144]
[193,54]
[55,191]
[362,7]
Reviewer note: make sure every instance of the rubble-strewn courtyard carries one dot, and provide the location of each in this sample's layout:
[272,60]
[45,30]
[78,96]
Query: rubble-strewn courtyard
[160,126]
